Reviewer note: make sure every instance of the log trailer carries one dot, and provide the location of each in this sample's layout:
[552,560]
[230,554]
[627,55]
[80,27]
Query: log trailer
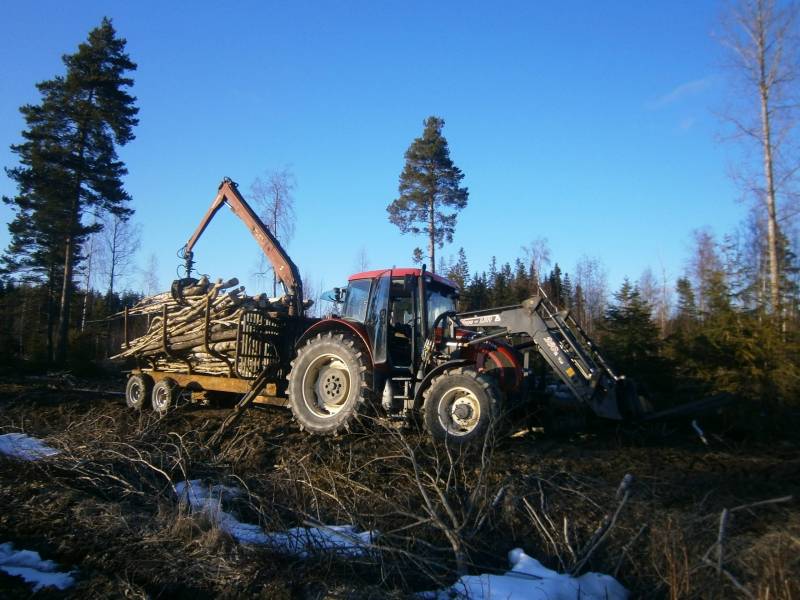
[396,346]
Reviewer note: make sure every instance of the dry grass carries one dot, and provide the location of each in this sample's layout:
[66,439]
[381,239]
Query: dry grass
[106,505]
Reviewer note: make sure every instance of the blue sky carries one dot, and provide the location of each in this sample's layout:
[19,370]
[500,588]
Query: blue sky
[591,124]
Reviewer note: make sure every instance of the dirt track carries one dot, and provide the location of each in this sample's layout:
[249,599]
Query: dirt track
[105,505]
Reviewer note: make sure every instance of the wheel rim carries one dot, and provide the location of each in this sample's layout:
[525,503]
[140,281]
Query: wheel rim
[136,394]
[326,385]
[459,411]
[161,399]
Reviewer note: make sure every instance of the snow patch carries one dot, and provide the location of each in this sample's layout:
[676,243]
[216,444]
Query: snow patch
[19,445]
[528,579]
[301,542]
[30,566]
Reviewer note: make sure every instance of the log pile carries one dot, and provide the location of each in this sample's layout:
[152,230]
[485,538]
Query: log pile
[186,326]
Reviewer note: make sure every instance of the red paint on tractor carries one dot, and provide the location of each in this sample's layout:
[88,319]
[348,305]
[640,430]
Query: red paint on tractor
[337,324]
[402,272]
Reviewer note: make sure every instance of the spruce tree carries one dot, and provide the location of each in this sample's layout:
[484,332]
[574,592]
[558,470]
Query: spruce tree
[503,293]
[686,313]
[631,339]
[555,286]
[430,191]
[567,292]
[68,164]
[458,272]
[477,294]
[522,284]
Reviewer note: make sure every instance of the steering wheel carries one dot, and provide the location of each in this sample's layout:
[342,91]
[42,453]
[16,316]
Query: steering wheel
[451,315]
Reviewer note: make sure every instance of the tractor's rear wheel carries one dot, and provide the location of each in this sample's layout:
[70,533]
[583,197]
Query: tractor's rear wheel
[461,406]
[137,391]
[329,381]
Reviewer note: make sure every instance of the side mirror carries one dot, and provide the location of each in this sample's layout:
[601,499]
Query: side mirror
[334,295]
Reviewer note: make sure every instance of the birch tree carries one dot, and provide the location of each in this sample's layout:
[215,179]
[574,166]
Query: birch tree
[119,242]
[274,200]
[761,36]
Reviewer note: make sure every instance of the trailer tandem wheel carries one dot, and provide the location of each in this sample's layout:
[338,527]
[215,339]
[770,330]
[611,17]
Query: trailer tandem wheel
[137,391]
[165,395]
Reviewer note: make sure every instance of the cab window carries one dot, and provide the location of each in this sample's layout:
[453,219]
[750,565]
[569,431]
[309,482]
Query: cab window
[377,317]
[355,302]
[401,312]
[439,300]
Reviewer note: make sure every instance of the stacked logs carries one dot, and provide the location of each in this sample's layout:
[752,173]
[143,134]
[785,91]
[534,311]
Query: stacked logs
[186,326]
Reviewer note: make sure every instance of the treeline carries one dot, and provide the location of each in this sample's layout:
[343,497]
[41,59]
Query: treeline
[27,333]
[710,330]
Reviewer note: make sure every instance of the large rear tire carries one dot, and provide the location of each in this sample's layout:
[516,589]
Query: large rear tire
[329,381]
[461,406]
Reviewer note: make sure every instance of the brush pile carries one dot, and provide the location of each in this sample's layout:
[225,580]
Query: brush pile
[202,325]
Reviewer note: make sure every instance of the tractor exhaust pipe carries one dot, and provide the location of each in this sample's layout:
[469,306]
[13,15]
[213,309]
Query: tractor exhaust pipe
[423,304]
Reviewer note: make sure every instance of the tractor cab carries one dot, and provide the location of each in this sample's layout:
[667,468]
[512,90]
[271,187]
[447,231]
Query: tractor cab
[397,308]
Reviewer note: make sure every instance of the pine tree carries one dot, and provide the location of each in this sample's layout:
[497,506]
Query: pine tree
[429,189]
[69,165]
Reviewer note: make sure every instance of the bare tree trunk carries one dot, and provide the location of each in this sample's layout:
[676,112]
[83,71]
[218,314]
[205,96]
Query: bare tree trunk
[23,312]
[431,236]
[769,168]
[66,296]
[69,249]
[275,233]
[51,311]
[87,282]
[112,267]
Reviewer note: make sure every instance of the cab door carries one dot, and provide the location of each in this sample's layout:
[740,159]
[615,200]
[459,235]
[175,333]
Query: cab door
[378,316]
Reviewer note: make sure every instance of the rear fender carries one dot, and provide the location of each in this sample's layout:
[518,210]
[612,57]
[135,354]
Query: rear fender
[337,325]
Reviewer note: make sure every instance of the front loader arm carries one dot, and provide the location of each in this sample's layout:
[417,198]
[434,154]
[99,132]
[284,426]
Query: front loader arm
[285,269]
[562,344]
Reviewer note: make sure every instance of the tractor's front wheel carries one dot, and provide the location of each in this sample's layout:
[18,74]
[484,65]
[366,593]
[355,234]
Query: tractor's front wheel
[329,381]
[461,406]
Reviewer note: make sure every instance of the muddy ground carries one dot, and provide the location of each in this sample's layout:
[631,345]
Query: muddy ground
[106,507]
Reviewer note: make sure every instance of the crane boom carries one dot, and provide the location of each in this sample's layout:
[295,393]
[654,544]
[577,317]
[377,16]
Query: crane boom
[285,269]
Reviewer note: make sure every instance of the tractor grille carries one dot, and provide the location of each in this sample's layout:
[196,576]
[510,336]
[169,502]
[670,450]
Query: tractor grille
[257,344]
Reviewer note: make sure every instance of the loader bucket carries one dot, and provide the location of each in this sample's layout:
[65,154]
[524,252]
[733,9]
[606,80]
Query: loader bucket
[632,404]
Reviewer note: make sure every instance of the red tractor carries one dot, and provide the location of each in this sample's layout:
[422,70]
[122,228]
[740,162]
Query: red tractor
[396,345]
[385,343]
[399,339]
